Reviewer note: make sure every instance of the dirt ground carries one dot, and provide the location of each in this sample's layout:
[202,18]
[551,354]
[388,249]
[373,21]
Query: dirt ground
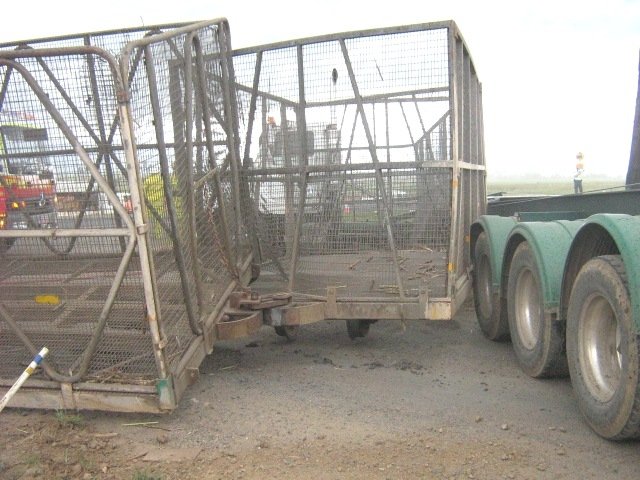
[432,400]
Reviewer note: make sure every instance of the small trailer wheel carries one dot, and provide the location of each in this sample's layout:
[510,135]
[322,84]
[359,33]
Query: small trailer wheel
[358,328]
[603,349]
[288,331]
[492,318]
[536,337]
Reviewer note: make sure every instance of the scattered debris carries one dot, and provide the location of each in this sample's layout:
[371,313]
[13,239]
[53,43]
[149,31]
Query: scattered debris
[139,424]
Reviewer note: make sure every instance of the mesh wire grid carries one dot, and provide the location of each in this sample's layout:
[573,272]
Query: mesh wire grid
[347,143]
[55,289]
[192,193]
[339,192]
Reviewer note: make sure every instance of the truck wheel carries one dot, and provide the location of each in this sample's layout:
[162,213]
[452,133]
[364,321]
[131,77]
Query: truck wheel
[290,332]
[491,317]
[603,349]
[537,339]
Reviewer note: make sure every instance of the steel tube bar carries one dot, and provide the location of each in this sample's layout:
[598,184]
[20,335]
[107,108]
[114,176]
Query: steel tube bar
[378,170]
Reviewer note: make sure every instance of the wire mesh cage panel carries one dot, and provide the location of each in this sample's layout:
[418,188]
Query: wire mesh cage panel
[122,230]
[364,157]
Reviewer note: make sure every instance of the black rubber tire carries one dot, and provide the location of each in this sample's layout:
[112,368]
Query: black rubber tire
[492,318]
[537,339]
[358,328]
[603,349]
[290,332]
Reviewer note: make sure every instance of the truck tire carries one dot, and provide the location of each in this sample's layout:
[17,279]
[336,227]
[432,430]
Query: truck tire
[537,339]
[492,319]
[603,349]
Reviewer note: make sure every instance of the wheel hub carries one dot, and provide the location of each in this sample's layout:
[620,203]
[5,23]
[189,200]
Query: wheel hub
[528,311]
[599,348]
[484,285]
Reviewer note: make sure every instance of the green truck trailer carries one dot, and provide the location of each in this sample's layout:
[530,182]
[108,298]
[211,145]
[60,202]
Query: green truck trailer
[560,276]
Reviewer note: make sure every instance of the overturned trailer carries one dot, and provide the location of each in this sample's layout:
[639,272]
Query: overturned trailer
[365,158]
[127,290]
[341,173]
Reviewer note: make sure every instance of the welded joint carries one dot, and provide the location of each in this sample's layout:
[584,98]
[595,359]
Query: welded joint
[193,374]
[209,337]
[123,97]
[104,148]
[423,297]
[68,400]
[332,302]
[162,344]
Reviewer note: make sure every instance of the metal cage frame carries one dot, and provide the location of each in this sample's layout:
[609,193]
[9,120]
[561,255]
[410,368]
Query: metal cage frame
[462,158]
[158,96]
[189,190]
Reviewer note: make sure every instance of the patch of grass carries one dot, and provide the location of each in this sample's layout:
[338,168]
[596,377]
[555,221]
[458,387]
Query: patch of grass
[32,460]
[145,476]
[69,419]
[548,187]
[87,464]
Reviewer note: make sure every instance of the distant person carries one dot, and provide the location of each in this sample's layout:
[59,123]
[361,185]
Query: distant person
[577,178]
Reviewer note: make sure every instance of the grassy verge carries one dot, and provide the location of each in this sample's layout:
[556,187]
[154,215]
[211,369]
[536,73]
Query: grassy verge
[548,187]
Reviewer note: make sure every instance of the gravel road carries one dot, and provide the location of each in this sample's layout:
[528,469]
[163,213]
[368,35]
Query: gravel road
[424,400]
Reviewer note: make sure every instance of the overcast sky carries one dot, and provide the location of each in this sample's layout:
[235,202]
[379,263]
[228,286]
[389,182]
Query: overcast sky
[558,76]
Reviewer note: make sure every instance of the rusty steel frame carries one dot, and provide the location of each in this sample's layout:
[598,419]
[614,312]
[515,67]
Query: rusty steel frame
[134,231]
[129,231]
[71,391]
[235,315]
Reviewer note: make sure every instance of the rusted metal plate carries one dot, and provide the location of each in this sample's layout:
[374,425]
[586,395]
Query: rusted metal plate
[298,314]
[238,327]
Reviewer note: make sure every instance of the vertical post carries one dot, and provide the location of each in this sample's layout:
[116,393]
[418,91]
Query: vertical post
[167,181]
[482,194]
[289,223]
[455,86]
[243,203]
[187,178]
[150,292]
[347,160]
[251,214]
[232,133]
[388,140]
[103,147]
[304,158]
[252,109]
[264,139]
[208,129]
